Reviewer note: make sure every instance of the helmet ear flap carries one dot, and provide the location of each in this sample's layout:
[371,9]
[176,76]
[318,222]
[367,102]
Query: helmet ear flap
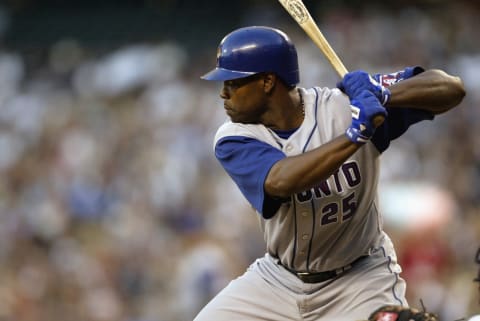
[251,50]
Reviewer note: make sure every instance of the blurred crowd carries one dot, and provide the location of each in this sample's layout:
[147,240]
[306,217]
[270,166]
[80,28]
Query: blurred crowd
[113,207]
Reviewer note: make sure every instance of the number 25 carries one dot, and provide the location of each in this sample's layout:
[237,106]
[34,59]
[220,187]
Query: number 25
[330,211]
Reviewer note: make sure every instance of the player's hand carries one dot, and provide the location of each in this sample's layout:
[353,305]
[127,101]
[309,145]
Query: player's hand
[365,107]
[354,82]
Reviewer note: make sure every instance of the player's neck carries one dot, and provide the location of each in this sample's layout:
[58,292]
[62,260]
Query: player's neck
[287,111]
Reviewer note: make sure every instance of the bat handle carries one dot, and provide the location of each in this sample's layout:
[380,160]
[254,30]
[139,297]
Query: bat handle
[378,120]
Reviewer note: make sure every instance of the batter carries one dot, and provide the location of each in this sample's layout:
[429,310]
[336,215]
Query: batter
[307,160]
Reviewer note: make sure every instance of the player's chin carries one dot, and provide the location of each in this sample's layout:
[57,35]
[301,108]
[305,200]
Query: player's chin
[240,117]
[243,120]
[235,117]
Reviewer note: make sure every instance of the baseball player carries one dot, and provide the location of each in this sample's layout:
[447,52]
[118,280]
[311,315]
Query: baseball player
[307,160]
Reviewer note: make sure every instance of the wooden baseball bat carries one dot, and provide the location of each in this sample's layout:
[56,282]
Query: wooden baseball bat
[298,11]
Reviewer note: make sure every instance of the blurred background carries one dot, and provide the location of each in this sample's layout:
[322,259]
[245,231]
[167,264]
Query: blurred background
[112,206]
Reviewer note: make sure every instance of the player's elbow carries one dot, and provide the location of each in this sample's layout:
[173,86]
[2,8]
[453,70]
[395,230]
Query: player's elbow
[277,188]
[454,86]
[458,91]
[453,89]
[276,185]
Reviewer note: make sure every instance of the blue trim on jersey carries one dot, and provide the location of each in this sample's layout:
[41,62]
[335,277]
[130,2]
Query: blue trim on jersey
[285,134]
[394,273]
[248,161]
[316,122]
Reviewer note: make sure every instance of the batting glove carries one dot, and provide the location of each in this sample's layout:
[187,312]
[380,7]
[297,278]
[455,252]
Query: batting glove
[354,82]
[365,107]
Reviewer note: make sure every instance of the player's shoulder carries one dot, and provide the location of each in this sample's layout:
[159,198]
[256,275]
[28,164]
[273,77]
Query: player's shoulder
[323,93]
[230,128]
[325,97]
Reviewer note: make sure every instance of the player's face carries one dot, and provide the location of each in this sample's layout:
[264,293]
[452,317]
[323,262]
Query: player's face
[244,99]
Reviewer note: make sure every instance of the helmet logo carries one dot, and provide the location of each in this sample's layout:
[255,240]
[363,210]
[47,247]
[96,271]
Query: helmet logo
[219,54]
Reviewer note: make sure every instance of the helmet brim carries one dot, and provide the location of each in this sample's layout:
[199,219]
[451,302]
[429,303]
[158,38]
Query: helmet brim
[221,74]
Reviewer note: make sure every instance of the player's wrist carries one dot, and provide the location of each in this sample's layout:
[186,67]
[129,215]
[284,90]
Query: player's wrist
[380,91]
[356,136]
[355,82]
[385,95]
[365,108]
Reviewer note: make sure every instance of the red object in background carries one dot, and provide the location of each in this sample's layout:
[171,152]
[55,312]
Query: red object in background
[424,256]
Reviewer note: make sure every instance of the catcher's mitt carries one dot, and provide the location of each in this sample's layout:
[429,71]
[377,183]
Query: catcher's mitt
[399,313]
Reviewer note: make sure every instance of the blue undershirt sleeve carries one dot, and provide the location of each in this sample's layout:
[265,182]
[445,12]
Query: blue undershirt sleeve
[396,124]
[248,161]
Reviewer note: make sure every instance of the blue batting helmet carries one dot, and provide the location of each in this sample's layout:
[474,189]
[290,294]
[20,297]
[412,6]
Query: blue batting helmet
[251,50]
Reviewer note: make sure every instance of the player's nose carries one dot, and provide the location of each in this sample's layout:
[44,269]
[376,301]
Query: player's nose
[224,93]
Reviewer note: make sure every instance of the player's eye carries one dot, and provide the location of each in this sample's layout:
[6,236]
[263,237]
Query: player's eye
[232,84]
[237,83]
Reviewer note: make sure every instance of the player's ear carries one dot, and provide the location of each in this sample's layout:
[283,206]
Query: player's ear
[269,82]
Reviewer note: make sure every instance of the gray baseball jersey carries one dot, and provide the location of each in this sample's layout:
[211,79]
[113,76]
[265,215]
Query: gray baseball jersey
[322,229]
[319,229]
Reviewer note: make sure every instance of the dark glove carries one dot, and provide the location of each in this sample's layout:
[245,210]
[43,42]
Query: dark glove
[365,107]
[353,83]
[399,313]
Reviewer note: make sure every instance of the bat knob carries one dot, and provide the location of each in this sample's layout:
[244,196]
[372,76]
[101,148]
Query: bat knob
[378,120]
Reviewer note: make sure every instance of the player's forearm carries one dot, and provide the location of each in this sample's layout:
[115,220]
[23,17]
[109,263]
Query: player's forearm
[296,174]
[433,90]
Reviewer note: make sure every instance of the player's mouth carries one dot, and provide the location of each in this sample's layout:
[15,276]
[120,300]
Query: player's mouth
[228,109]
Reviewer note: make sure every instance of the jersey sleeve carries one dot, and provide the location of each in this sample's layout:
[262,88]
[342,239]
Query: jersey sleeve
[399,119]
[248,161]
[396,124]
